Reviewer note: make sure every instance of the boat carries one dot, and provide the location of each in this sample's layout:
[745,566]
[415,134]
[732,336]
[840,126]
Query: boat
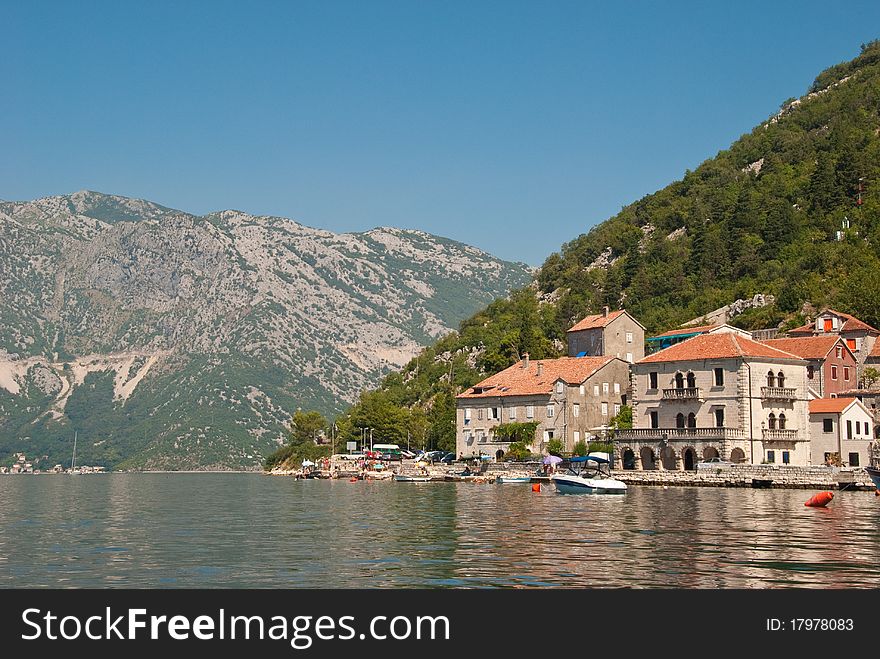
[504,480]
[401,478]
[73,459]
[762,482]
[581,478]
[874,473]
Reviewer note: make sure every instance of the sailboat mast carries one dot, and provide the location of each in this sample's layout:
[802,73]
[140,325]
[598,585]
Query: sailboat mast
[73,461]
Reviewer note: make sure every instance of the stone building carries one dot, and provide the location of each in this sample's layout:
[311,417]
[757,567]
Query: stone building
[670,338]
[858,335]
[608,334]
[831,365]
[571,399]
[716,395]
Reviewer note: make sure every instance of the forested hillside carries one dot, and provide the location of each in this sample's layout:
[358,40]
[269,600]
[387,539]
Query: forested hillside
[762,216]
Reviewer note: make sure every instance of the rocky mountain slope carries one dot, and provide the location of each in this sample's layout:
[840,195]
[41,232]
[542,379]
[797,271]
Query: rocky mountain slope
[170,340]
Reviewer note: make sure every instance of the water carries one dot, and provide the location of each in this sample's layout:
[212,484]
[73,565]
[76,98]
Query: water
[249,530]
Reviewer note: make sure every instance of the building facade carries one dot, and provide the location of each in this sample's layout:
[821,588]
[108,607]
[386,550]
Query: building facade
[858,335]
[721,396]
[842,432]
[831,365]
[608,334]
[570,399]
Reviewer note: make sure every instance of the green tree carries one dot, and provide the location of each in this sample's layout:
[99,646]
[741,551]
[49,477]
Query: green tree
[306,426]
[555,447]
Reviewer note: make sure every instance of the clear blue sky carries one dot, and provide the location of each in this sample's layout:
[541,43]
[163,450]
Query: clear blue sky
[508,125]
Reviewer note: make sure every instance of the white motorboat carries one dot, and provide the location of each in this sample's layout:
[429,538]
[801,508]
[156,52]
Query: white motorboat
[506,480]
[401,478]
[582,478]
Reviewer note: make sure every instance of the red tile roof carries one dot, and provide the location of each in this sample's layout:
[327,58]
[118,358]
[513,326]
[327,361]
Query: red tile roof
[803,329]
[722,345]
[519,381]
[830,405]
[852,323]
[701,329]
[875,351]
[596,320]
[808,347]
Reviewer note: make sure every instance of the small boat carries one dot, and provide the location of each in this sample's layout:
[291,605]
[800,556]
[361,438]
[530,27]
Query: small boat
[762,482]
[505,480]
[874,473]
[401,478]
[580,478]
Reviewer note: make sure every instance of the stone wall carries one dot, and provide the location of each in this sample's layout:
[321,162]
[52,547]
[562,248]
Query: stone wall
[827,478]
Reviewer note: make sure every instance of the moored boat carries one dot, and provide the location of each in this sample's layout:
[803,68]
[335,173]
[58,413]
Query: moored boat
[874,473]
[506,480]
[579,478]
[401,478]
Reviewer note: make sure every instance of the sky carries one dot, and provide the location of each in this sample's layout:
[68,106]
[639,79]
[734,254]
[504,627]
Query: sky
[511,126]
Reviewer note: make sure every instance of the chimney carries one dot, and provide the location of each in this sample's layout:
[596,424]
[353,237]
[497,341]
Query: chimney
[605,311]
[540,368]
[525,360]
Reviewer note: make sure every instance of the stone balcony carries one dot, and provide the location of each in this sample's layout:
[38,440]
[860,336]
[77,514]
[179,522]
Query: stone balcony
[688,393]
[656,434]
[777,435]
[778,393]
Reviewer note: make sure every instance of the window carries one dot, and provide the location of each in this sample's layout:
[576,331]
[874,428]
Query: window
[719,417]
[692,381]
[480,413]
[559,387]
[511,414]
[468,438]
[617,387]
[605,388]
[828,324]
[849,434]
[583,391]
[846,372]
[851,344]
[679,381]
[679,420]
[853,459]
[780,379]
[827,425]
[655,419]
[530,411]
[495,413]
[550,410]
[771,421]
[771,457]
[839,352]
[782,421]
[481,438]
[867,430]
[719,377]
[616,409]
[595,389]
[576,410]
[786,457]
[833,372]
[652,380]
[771,379]
[692,420]
[629,357]
[467,417]
[810,372]
[629,337]
[577,436]
[604,409]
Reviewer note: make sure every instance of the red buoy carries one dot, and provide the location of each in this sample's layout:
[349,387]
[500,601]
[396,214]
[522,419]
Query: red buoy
[536,487]
[352,480]
[819,500]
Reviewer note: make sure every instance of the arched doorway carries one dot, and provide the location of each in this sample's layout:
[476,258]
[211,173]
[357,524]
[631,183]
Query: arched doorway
[648,459]
[667,456]
[690,459]
[737,455]
[499,454]
[710,452]
[629,459]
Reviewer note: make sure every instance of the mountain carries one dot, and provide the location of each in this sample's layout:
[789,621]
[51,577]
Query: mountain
[789,213]
[170,340]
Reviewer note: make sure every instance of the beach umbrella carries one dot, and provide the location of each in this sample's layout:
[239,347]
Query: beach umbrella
[552,460]
[308,463]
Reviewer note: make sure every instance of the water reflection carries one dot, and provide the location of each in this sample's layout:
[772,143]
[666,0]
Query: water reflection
[237,530]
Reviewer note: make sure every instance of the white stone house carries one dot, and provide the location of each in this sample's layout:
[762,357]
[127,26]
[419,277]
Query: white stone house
[718,395]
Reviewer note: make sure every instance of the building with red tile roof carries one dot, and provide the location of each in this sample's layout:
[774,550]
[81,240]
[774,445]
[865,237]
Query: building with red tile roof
[571,399]
[610,333]
[859,336]
[831,365]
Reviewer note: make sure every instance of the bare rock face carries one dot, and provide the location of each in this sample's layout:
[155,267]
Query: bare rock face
[187,341]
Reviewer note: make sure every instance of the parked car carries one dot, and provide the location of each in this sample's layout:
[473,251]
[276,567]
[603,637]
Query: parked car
[448,459]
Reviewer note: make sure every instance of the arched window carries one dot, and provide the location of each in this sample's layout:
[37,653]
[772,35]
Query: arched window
[692,381]
[679,420]
[782,421]
[780,379]
[679,381]
[771,379]
[810,372]
[692,420]
[771,421]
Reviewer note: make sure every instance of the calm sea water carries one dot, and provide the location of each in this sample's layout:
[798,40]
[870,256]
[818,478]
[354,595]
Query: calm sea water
[249,530]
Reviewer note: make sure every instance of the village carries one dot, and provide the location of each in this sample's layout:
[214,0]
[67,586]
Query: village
[711,405]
